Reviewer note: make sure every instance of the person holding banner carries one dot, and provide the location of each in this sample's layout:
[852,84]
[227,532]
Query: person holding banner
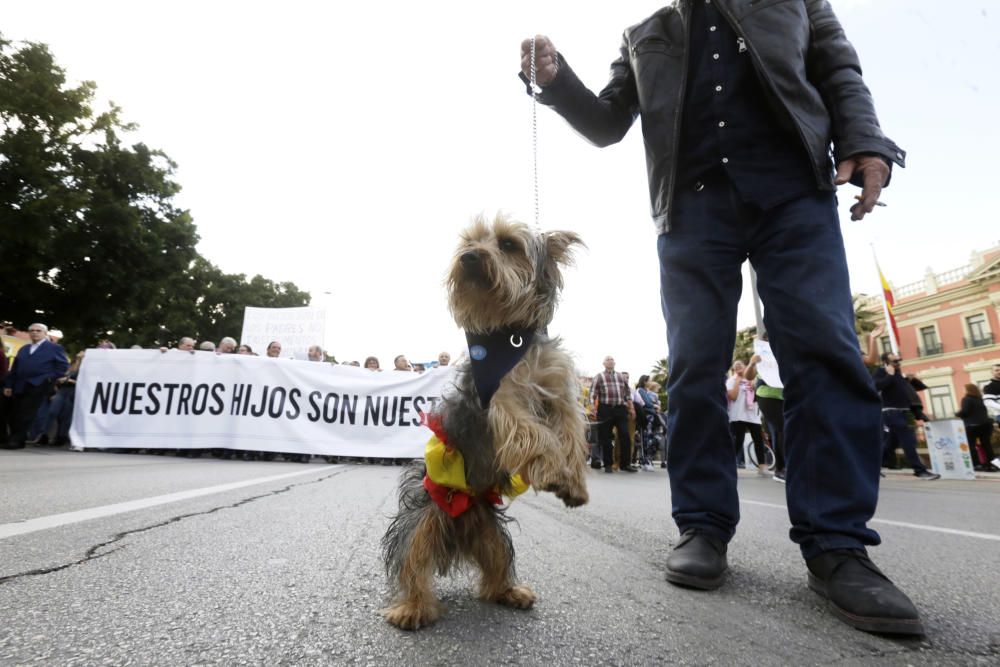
[771,401]
[36,367]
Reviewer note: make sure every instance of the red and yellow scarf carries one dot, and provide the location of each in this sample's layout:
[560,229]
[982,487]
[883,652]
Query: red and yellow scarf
[445,478]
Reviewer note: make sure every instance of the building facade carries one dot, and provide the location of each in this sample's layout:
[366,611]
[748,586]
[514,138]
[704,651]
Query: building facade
[949,329]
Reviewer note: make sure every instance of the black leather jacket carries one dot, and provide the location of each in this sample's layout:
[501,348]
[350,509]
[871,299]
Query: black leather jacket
[809,70]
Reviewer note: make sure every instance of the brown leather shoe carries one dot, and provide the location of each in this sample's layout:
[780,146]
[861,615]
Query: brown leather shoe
[861,595]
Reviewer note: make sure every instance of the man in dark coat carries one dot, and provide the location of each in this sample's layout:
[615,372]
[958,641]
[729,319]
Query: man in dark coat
[36,367]
[741,102]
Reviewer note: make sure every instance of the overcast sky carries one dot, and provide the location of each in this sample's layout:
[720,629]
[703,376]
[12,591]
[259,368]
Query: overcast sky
[343,146]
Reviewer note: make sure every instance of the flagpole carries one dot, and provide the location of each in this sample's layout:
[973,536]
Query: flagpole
[890,320]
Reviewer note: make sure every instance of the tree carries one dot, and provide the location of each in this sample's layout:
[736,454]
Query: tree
[206,304]
[867,314]
[743,349]
[89,223]
[660,373]
[92,241]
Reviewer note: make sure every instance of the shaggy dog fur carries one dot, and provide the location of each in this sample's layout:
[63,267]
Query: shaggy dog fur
[503,276]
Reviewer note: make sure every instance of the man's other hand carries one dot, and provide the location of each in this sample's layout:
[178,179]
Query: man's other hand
[546,61]
[874,173]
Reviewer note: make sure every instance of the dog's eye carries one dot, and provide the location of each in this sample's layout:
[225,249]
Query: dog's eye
[508,245]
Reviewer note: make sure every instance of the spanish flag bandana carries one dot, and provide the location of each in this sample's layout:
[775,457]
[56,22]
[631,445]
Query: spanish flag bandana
[445,478]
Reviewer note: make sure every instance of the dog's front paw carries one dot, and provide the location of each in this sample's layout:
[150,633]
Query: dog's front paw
[410,615]
[518,597]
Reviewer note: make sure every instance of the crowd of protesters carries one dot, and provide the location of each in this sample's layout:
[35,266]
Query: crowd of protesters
[39,386]
[628,421]
[627,428]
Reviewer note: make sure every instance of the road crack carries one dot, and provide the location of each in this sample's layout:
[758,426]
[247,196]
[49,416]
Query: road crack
[104,548]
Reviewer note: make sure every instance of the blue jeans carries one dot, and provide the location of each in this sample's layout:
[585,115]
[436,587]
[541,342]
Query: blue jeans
[61,414]
[896,424]
[832,410]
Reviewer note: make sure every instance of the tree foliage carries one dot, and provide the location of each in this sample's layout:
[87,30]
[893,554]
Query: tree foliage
[743,349]
[867,314]
[659,373]
[91,240]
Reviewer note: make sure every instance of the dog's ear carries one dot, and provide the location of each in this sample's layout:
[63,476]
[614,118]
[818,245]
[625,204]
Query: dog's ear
[559,246]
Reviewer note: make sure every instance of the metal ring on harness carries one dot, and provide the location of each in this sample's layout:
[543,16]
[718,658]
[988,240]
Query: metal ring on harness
[520,340]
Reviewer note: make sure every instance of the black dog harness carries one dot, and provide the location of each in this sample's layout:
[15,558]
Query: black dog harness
[493,355]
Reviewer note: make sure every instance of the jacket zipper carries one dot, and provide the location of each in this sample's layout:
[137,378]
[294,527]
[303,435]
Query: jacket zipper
[767,78]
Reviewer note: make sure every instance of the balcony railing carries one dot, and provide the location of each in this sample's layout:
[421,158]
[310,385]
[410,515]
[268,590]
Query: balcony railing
[930,350]
[979,341]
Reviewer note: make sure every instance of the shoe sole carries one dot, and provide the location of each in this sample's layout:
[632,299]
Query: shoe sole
[691,581]
[889,626]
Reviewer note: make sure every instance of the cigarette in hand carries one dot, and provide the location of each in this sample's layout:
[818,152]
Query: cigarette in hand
[860,198]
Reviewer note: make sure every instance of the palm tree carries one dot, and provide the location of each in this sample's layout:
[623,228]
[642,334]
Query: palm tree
[867,313]
[659,374]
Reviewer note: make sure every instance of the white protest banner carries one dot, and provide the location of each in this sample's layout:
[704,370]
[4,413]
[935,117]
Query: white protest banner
[767,367]
[948,448]
[295,328]
[145,399]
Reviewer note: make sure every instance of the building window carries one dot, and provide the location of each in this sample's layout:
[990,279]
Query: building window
[885,344]
[929,341]
[942,404]
[979,335]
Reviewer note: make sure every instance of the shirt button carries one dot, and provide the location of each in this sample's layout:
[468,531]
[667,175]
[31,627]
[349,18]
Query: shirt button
[715,56]
[725,160]
[722,123]
[711,29]
[718,89]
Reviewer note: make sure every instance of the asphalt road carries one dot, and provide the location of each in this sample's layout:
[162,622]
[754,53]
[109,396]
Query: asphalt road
[286,571]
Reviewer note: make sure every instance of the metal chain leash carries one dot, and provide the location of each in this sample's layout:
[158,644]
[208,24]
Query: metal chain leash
[534,129]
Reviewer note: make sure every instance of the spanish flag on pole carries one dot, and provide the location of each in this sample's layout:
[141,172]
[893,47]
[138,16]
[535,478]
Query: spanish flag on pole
[887,306]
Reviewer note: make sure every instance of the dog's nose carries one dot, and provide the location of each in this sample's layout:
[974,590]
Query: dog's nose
[469,258]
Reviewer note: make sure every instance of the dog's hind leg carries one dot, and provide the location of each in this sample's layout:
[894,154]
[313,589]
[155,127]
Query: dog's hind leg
[494,554]
[416,606]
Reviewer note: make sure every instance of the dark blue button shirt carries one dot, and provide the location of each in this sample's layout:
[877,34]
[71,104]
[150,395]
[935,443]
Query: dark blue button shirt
[728,123]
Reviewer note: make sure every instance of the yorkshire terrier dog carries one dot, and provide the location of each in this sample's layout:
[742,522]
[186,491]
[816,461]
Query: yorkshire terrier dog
[512,421]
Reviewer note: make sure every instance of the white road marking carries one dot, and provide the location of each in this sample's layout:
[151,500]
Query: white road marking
[899,524]
[56,520]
